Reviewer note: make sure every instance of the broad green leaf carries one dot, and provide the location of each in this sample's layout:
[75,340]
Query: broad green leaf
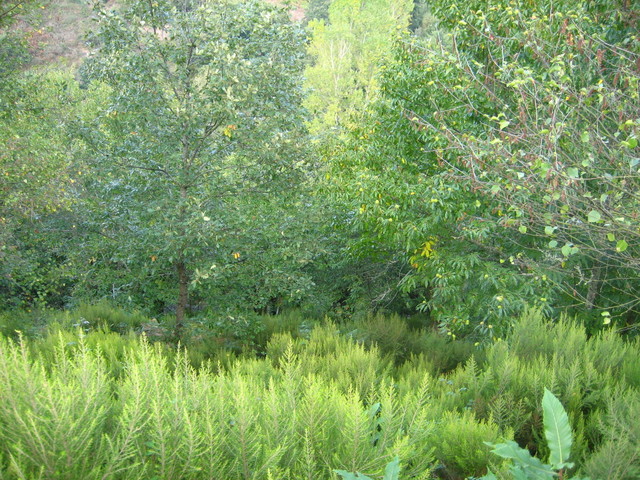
[522,457]
[522,229]
[621,246]
[553,244]
[521,474]
[573,172]
[392,471]
[548,230]
[594,216]
[566,250]
[611,237]
[584,137]
[557,430]
[489,476]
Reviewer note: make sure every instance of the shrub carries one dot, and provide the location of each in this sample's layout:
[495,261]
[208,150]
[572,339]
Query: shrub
[619,455]
[459,444]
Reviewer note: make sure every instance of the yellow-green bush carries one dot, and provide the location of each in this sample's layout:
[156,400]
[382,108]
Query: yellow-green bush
[101,405]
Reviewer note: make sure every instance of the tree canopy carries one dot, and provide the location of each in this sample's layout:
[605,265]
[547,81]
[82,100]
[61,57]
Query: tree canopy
[204,103]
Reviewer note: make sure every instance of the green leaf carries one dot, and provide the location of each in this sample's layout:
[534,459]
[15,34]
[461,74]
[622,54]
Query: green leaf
[503,124]
[489,476]
[621,246]
[392,471]
[584,137]
[548,230]
[557,430]
[573,172]
[523,459]
[553,244]
[594,216]
[611,237]
[519,473]
[566,250]
[522,229]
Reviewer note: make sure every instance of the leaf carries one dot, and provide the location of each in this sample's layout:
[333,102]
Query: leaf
[584,137]
[522,458]
[621,246]
[553,244]
[611,237]
[573,172]
[566,250]
[522,229]
[392,471]
[548,230]
[594,216]
[557,430]
[519,473]
[489,476]
[504,124]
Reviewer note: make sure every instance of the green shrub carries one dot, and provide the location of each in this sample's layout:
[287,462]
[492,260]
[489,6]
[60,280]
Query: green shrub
[559,440]
[444,353]
[618,457]
[314,404]
[389,333]
[459,444]
[101,314]
[53,426]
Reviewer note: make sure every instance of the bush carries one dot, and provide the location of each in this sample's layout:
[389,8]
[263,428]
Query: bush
[459,444]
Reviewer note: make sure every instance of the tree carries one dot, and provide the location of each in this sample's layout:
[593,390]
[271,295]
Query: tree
[346,52]
[204,108]
[13,46]
[38,185]
[503,162]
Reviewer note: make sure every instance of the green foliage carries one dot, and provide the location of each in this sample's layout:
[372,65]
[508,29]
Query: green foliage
[38,187]
[346,51]
[459,444]
[316,403]
[103,314]
[14,52]
[558,433]
[557,430]
[149,422]
[392,335]
[619,455]
[391,472]
[499,163]
[199,128]
[53,427]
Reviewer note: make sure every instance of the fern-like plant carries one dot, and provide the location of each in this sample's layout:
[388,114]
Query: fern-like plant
[557,430]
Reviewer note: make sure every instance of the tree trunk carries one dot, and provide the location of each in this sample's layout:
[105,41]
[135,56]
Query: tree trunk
[183,298]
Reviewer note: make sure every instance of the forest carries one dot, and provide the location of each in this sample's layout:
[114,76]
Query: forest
[319,239]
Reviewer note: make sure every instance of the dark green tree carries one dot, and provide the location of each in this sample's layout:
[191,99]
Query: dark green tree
[203,115]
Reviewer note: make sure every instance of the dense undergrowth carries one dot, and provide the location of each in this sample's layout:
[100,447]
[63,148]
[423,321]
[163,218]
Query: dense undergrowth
[88,402]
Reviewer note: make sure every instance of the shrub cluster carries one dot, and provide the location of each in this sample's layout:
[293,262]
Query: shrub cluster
[105,405]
